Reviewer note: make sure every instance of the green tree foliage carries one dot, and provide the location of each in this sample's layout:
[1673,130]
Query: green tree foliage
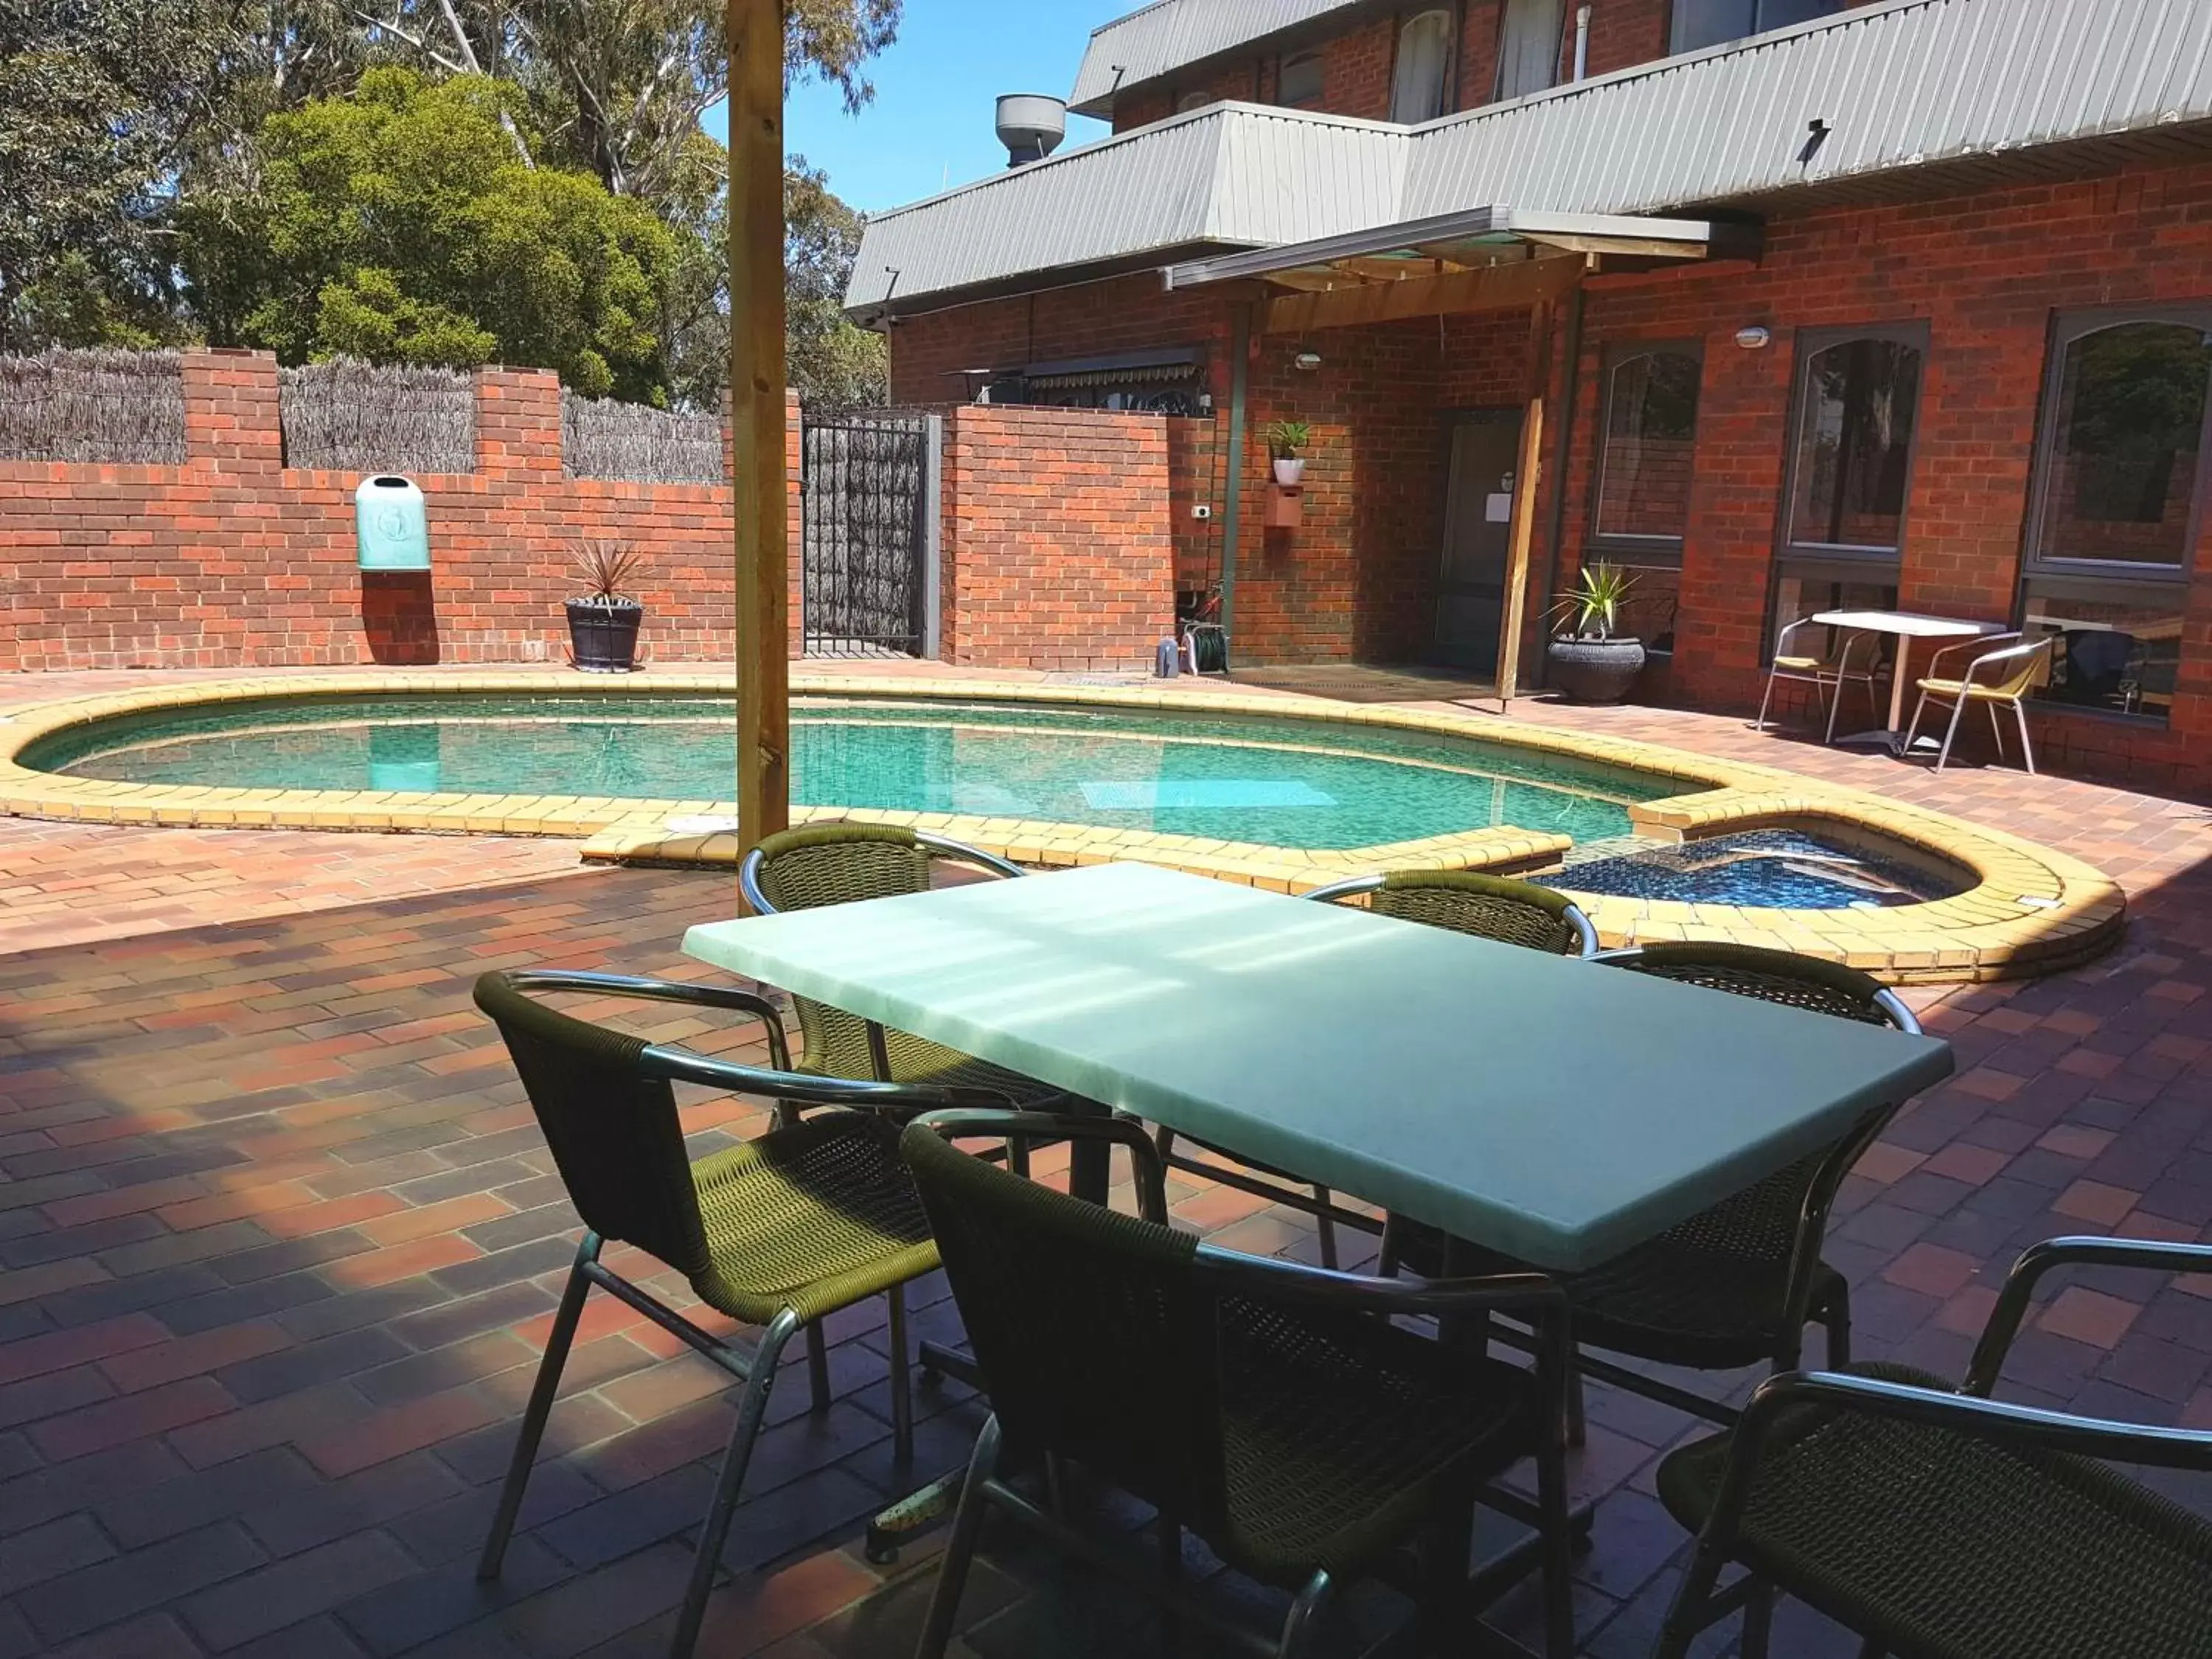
[400,224]
[834,363]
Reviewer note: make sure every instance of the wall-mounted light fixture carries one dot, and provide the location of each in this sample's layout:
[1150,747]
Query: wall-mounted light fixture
[1308,360]
[1753,338]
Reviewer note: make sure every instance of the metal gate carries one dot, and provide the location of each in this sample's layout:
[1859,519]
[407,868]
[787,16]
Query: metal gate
[868,556]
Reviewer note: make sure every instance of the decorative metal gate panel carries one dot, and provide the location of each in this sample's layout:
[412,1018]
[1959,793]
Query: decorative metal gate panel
[868,554]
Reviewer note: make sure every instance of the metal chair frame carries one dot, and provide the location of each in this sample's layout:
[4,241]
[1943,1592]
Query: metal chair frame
[1318,1201]
[752,1366]
[1991,694]
[1822,677]
[1970,1410]
[749,868]
[1447,1592]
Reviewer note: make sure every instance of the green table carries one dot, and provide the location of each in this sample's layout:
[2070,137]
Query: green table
[1553,1110]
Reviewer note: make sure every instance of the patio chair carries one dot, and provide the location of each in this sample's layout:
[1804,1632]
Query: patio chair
[1826,675]
[1465,900]
[1942,1524]
[1734,1284]
[781,1231]
[1274,1409]
[843,863]
[2006,675]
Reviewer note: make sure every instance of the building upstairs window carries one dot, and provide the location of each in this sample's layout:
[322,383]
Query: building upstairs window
[1700,23]
[1301,84]
[1418,85]
[1529,38]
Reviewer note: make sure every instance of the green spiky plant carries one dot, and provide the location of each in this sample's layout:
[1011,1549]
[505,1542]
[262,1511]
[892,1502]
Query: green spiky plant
[1591,608]
[1287,440]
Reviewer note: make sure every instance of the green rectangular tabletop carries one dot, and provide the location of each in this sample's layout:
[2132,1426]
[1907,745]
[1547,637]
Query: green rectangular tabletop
[1554,1109]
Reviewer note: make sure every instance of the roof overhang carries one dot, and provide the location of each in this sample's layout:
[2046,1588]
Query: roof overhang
[1486,258]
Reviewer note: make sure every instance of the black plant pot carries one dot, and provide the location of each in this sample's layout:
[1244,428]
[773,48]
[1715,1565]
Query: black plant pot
[602,637]
[1595,670]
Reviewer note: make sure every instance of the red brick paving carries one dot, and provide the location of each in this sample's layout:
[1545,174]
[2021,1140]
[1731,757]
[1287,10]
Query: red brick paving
[280,1243]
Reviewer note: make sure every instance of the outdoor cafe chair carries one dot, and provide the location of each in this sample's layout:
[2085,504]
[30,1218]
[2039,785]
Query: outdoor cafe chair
[1828,676]
[1275,1410]
[843,863]
[779,1231]
[1467,902]
[2008,676]
[1736,1283]
[1937,1523]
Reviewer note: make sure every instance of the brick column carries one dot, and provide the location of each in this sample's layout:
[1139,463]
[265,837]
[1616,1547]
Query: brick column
[232,422]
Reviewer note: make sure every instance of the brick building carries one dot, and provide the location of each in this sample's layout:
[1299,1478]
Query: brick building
[1785,303]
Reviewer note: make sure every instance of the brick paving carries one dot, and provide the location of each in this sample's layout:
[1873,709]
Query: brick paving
[280,1243]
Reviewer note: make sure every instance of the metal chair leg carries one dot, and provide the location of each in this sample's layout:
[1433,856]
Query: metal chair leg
[2026,748]
[1997,731]
[541,1392]
[1837,1321]
[1765,697]
[1950,734]
[960,1548]
[1559,1546]
[1912,727]
[1577,1422]
[752,1406]
[1687,1614]
[1325,1226]
[818,1367]
[1758,1621]
[1301,1626]
[902,1380]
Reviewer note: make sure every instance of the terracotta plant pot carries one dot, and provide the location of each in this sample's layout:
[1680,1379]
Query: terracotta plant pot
[603,638]
[1594,671]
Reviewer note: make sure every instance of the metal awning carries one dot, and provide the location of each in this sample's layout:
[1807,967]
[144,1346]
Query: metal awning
[1486,258]
[1140,374]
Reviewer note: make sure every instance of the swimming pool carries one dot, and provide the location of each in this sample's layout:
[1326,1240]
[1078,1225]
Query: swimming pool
[1290,783]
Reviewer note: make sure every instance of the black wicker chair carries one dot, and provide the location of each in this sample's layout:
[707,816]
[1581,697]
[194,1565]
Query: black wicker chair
[1735,1284]
[1465,900]
[843,863]
[1948,1525]
[814,1216]
[1275,1410]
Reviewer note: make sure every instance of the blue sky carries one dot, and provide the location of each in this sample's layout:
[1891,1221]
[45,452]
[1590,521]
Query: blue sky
[930,125]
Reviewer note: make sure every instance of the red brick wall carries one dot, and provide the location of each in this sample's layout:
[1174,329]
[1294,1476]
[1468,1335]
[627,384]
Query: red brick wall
[1057,553]
[233,559]
[1985,273]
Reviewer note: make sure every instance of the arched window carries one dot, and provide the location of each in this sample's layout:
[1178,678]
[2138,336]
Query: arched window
[1649,438]
[1191,100]
[1857,398]
[1418,85]
[1528,43]
[1300,85]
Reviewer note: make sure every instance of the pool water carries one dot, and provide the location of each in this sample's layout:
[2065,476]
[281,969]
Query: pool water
[1279,782]
[1781,868]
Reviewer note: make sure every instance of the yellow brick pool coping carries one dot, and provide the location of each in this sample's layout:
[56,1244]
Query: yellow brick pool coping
[2032,909]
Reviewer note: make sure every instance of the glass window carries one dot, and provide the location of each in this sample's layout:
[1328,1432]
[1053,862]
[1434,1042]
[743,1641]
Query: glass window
[1805,588]
[1647,445]
[2119,645]
[2123,425]
[1417,86]
[1528,46]
[1652,599]
[1700,23]
[1300,86]
[1857,396]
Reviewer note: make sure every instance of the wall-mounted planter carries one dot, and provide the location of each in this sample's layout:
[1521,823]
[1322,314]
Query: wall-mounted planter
[1290,471]
[1285,506]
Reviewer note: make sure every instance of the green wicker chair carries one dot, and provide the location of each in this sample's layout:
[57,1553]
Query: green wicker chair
[1948,1525]
[1275,1410]
[842,863]
[1465,900]
[1735,1284]
[781,1231]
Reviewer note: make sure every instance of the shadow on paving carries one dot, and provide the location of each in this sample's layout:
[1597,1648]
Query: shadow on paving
[281,1243]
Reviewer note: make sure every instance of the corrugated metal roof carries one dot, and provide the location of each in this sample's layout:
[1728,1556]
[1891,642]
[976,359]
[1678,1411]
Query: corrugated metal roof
[1903,86]
[1147,44]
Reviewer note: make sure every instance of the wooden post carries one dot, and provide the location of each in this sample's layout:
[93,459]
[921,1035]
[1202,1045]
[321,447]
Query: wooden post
[1527,471]
[755,29]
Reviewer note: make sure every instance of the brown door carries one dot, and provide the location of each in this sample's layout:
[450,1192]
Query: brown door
[1478,531]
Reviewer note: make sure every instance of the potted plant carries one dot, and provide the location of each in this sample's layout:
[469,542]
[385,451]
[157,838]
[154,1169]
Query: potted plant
[1590,663]
[1285,440]
[603,622]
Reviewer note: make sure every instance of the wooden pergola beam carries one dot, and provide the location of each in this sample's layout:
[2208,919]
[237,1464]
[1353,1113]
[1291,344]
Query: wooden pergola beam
[1494,288]
[760,521]
[1528,477]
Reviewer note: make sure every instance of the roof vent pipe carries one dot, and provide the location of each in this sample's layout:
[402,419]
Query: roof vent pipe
[1031,125]
[1581,42]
